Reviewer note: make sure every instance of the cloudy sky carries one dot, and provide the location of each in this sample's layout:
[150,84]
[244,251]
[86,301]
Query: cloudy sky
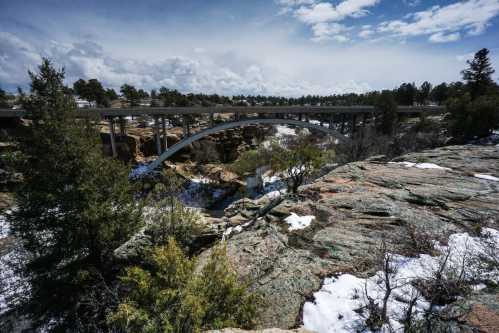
[281,47]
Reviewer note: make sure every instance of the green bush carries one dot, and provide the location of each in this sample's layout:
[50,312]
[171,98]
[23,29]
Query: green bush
[171,297]
[170,218]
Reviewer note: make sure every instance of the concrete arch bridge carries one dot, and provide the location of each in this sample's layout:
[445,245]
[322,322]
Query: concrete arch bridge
[336,121]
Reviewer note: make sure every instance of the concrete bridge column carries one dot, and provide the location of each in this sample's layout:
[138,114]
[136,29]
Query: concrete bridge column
[185,126]
[157,135]
[330,122]
[211,122]
[163,125]
[354,123]
[299,116]
[112,134]
[307,117]
[342,130]
[122,124]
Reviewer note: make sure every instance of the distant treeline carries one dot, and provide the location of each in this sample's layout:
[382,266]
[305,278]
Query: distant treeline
[406,94]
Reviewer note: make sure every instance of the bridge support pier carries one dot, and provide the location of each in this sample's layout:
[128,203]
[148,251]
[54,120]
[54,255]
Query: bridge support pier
[342,130]
[157,135]
[299,116]
[122,124]
[163,125]
[354,123]
[211,122]
[185,126]
[112,135]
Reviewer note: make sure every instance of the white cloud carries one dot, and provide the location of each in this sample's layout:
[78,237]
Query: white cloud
[447,23]
[366,33]
[16,57]
[326,12]
[89,60]
[322,17]
[411,3]
[326,31]
[440,37]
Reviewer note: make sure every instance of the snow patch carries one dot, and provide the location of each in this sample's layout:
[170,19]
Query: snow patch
[421,165]
[487,177]
[284,131]
[138,172]
[334,305]
[4,226]
[296,222]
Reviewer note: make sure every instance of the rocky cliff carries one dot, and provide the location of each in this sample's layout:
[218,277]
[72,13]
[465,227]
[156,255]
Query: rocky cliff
[442,191]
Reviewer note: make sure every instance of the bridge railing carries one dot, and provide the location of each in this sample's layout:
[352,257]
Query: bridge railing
[166,111]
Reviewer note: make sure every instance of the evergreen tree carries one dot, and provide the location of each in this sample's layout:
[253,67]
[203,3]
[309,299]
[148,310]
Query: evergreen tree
[424,93]
[3,99]
[478,75]
[131,94]
[74,208]
[440,93]
[406,94]
[111,94]
[386,103]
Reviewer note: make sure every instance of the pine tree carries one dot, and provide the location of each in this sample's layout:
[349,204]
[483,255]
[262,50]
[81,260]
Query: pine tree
[478,75]
[386,103]
[73,209]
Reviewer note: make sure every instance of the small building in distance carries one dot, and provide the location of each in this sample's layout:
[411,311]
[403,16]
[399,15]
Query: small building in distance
[84,104]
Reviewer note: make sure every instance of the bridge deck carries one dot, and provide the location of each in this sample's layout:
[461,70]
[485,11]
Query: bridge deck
[124,112]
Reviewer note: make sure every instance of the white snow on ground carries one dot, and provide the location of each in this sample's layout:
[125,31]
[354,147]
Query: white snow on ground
[194,196]
[138,172]
[11,283]
[420,165]
[284,130]
[273,187]
[298,222]
[487,177]
[236,229]
[4,227]
[333,309]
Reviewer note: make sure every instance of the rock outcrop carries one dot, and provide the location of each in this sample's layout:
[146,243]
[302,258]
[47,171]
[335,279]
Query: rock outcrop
[139,143]
[356,206]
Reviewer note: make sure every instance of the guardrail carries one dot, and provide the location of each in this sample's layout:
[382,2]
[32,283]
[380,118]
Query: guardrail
[165,111]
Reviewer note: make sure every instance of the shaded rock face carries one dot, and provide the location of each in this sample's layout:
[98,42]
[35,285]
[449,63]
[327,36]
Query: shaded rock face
[225,146]
[355,207]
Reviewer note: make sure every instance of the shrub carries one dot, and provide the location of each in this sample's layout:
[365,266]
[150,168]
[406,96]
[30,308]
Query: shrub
[364,144]
[172,297]
[170,218]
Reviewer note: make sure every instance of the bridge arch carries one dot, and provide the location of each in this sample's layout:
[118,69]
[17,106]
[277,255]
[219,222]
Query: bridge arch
[235,124]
